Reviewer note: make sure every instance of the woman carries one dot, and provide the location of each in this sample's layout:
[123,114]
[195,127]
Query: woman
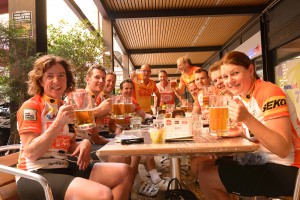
[46,142]
[261,107]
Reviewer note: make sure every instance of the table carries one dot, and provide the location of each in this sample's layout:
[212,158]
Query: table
[205,145]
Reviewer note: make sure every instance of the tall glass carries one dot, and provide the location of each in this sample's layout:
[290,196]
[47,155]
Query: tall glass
[185,105]
[118,107]
[128,108]
[218,115]
[139,75]
[207,91]
[83,105]
[173,83]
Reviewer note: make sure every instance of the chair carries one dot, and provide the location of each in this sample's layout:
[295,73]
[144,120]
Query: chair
[8,188]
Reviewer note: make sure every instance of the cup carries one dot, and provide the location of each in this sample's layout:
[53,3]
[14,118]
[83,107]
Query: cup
[173,83]
[185,105]
[139,76]
[207,91]
[118,107]
[135,123]
[218,115]
[83,105]
[197,127]
[157,135]
[169,109]
[128,108]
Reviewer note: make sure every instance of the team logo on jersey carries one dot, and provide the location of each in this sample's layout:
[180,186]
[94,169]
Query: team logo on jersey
[30,114]
[274,103]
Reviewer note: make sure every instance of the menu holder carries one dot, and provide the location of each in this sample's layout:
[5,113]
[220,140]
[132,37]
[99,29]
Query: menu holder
[178,128]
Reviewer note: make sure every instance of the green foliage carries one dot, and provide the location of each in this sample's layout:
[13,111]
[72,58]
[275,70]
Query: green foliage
[82,47]
[17,54]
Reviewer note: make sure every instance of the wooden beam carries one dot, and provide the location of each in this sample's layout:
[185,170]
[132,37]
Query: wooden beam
[215,11]
[173,50]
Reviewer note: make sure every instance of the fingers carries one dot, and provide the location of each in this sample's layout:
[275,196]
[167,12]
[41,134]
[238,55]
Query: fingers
[83,158]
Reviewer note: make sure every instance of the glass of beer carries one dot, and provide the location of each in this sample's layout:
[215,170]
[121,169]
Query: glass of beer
[118,107]
[83,105]
[207,91]
[185,105]
[139,75]
[218,115]
[173,83]
[128,108]
[169,109]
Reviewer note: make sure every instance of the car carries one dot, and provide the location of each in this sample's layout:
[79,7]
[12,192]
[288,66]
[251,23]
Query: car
[4,124]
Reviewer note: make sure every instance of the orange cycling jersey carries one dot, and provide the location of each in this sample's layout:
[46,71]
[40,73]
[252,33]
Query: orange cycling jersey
[142,94]
[268,101]
[35,116]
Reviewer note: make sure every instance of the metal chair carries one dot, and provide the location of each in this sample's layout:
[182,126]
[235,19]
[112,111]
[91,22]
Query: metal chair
[22,173]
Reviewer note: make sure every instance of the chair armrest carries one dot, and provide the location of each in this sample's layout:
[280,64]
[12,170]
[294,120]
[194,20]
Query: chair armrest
[25,174]
[10,147]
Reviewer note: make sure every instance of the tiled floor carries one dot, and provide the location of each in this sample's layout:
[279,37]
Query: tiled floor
[187,180]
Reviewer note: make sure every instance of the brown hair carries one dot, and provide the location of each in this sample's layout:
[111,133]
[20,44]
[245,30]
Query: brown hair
[126,81]
[40,66]
[200,70]
[238,58]
[95,66]
[214,67]
[111,73]
[163,71]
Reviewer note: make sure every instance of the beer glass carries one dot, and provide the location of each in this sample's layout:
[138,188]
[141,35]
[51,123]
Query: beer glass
[169,109]
[207,91]
[173,83]
[83,105]
[139,75]
[128,108]
[185,105]
[218,115]
[118,107]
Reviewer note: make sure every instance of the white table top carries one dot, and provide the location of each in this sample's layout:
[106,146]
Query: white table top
[205,145]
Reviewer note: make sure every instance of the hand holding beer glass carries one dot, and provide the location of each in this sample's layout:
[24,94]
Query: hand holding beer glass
[83,109]
[218,115]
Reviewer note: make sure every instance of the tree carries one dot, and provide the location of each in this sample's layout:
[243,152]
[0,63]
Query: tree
[17,54]
[82,47]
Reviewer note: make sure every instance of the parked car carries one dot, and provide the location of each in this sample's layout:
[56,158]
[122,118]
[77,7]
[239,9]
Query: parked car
[4,124]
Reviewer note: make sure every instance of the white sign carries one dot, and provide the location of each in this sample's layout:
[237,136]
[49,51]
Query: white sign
[178,127]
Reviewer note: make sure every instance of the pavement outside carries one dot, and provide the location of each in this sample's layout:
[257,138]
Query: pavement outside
[187,179]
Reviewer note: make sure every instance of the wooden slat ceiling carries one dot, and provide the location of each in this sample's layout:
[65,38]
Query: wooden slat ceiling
[158,32]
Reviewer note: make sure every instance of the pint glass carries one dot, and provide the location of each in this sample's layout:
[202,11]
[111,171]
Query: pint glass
[173,83]
[207,91]
[83,105]
[118,108]
[139,75]
[218,115]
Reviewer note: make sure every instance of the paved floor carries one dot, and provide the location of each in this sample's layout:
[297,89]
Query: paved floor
[187,179]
